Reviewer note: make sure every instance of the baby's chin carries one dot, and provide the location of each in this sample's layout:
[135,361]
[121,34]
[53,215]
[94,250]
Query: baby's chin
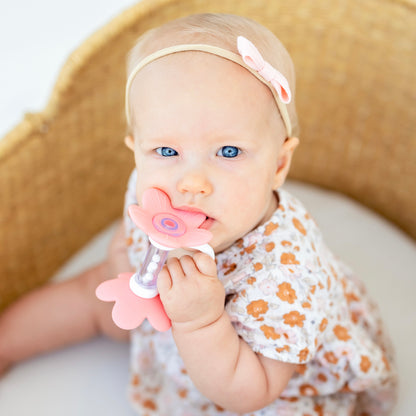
[220,246]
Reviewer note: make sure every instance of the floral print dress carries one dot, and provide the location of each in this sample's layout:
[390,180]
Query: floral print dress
[291,300]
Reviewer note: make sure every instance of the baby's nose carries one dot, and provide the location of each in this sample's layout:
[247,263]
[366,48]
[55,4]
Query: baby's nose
[195,183]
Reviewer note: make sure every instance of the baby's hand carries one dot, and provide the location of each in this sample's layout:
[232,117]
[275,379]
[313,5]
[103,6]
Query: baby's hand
[190,291]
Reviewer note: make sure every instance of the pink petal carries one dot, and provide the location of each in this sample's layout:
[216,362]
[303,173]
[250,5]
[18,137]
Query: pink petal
[155,201]
[191,219]
[108,290]
[155,313]
[141,218]
[130,310]
[194,238]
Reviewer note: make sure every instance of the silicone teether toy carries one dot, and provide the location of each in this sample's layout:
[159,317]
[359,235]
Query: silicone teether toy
[135,294]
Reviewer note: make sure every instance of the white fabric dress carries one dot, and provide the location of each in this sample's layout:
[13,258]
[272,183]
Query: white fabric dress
[291,300]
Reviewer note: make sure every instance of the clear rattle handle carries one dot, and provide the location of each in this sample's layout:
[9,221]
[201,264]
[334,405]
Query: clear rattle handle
[144,283]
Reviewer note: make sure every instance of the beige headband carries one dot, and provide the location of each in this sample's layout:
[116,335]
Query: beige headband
[214,50]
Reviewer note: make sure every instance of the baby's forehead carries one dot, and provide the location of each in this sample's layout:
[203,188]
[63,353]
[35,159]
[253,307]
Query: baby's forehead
[197,87]
[190,68]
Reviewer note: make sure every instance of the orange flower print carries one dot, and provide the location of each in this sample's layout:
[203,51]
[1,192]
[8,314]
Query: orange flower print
[334,273]
[230,268]
[308,390]
[257,308]
[258,266]
[286,293]
[270,228]
[288,258]
[251,280]
[239,243]
[286,243]
[346,389]
[300,368]
[294,318]
[269,332]
[355,316]
[322,377]
[331,357]
[298,225]
[323,324]
[351,297]
[183,393]
[149,404]
[386,362]
[365,363]
[303,354]
[285,348]
[319,409]
[341,333]
[250,249]
[269,247]
[135,380]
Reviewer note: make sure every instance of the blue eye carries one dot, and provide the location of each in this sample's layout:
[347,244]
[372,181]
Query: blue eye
[229,151]
[166,151]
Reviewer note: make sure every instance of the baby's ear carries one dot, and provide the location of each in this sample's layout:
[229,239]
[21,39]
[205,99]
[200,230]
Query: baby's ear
[284,161]
[129,142]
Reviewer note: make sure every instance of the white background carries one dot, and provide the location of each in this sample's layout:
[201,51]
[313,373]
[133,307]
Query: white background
[36,37]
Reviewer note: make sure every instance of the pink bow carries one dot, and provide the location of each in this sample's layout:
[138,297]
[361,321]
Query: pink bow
[252,57]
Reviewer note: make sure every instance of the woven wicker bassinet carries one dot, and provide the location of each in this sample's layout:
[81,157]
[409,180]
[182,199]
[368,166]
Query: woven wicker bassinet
[63,171]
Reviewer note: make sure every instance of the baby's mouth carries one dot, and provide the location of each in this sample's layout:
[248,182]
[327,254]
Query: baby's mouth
[207,224]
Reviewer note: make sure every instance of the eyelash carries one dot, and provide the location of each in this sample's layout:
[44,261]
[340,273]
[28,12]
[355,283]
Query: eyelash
[169,152]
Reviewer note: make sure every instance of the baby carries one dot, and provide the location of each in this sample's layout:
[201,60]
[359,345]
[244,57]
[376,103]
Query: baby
[276,324]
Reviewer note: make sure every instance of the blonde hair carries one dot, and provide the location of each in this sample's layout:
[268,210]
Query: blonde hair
[219,30]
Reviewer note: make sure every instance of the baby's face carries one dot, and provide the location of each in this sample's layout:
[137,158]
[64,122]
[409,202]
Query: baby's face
[208,134]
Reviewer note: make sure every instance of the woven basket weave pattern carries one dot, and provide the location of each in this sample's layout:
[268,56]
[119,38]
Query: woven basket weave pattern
[63,171]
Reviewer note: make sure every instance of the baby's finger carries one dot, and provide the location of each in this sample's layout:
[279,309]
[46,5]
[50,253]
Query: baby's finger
[188,266]
[164,281]
[175,270]
[205,264]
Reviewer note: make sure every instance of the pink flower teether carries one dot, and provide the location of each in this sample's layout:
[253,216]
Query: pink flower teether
[170,227]
[135,294]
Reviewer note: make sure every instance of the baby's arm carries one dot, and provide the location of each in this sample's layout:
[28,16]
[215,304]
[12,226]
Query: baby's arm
[222,366]
[60,314]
